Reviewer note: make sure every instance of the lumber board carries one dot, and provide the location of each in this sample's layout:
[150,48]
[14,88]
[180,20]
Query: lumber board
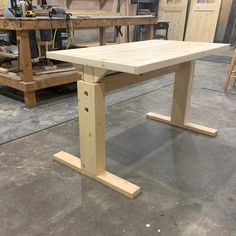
[3,70]
[92,12]
[92,126]
[54,71]
[8,55]
[138,57]
[189,126]
[118,184]
[121,80]
[50,80]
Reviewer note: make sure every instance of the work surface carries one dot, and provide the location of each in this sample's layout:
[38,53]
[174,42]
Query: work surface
[26,23]
[138,57]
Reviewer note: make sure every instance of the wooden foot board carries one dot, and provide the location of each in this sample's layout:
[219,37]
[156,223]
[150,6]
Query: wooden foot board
[118,184]
[190,126]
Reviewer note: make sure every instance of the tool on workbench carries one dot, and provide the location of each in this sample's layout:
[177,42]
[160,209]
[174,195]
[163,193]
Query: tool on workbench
[30,13]
[14,8]
[62,38]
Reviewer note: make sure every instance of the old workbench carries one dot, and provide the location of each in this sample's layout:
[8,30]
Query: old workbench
[26,81]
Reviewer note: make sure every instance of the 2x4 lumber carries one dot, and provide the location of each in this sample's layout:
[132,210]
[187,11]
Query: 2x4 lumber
[54,71]
[188,125]
[92,126]
[49,80]
[120,80]
[92,12]
[118,184]
[182,93]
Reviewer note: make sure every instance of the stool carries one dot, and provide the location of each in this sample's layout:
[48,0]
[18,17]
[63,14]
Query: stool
[161,26]
[231,72]
[46,44]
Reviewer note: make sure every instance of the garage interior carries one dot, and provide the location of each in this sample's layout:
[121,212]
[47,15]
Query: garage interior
[187,179]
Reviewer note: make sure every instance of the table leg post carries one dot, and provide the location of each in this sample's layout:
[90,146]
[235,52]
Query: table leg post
[26,66]
[182,93]
[92,126]
[150,32]
[181,102]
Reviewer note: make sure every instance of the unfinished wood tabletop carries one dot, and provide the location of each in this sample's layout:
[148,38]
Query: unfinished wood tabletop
[138,57]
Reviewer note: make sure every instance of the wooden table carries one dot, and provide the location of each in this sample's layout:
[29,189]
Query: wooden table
[136,62]
[28,83]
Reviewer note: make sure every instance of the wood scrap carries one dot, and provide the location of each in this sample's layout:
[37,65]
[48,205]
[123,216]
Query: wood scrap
[53,71]
[3,70]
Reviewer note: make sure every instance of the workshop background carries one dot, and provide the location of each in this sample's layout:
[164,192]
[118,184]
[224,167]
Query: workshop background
[187,179]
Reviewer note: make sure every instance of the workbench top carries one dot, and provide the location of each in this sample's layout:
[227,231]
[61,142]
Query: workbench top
[138,57]
[89,21]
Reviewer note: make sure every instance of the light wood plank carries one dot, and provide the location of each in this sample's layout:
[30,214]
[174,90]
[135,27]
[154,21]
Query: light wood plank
[189,126]
[182,93]
[120,80]
[155,54]
[92,126]
[118,184]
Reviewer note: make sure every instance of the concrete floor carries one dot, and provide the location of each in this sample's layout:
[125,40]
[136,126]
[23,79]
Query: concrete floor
[188,180]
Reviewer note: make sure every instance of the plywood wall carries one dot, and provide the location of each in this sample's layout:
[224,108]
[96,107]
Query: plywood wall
[202,20]
[84,5]
[173,11]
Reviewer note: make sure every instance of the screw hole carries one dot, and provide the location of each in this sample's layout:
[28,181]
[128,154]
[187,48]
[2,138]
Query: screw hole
[86,109]
[85,93]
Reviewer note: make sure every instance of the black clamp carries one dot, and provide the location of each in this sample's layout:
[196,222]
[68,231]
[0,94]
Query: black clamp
[118,31]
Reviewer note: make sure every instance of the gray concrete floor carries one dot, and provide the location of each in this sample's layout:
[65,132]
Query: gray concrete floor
[188,180]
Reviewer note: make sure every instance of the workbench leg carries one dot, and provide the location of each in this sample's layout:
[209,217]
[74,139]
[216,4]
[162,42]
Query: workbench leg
[102,36]
[181,102]
[92,140]
[150,32]
[127,36]
[26,66]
